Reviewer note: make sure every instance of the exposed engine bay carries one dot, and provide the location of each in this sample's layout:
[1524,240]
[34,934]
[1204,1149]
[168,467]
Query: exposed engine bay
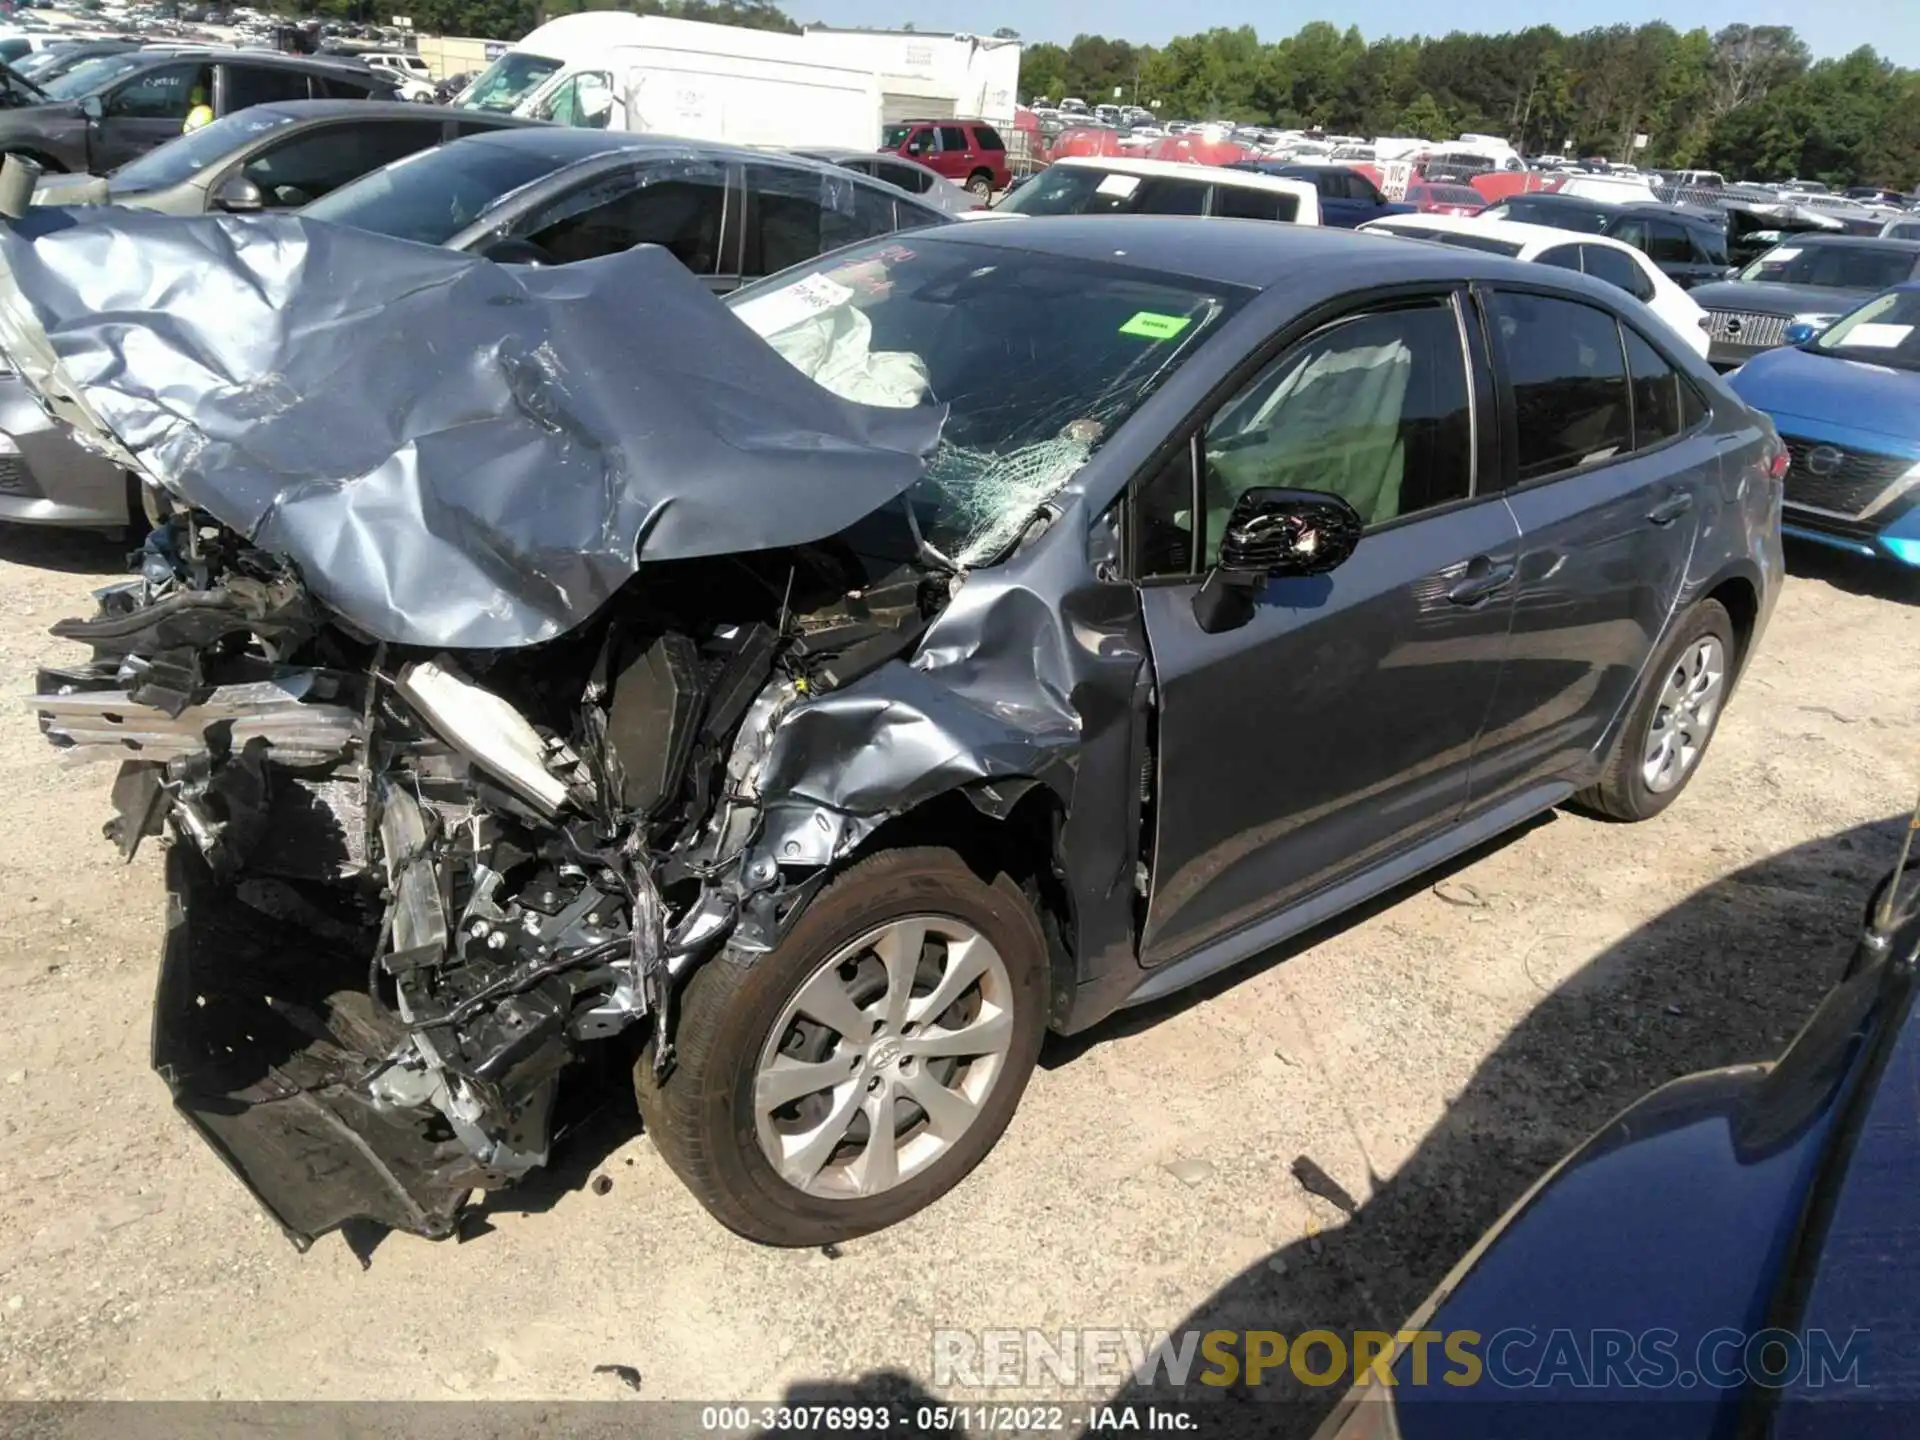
[507,659]
[414,887]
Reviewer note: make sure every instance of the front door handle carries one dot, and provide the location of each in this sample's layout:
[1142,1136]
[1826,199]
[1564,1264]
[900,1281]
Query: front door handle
[1671,508]
[1483,580]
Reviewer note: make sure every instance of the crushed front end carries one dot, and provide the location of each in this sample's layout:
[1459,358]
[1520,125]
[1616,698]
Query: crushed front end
[409,891]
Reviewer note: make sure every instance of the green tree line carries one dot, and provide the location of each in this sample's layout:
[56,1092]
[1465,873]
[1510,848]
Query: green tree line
[1748,100]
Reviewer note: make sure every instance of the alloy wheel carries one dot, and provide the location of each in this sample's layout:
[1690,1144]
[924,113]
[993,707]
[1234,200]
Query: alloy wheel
[1683,718]
[884,1057]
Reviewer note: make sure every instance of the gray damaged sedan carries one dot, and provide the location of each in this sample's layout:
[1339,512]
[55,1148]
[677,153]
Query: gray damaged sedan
[807,701]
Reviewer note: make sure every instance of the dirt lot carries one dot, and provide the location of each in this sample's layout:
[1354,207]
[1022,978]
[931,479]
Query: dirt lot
[1432,1055]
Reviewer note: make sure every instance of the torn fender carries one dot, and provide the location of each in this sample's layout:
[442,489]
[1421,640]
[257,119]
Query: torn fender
[455,453]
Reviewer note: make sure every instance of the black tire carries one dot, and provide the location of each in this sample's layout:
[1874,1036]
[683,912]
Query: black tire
[980,184]
[1622,792]
[701,1117]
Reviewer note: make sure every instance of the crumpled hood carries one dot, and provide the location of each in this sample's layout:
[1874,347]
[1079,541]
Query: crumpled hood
[454,453]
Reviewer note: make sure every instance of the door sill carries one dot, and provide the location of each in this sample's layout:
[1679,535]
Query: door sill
[1171,975]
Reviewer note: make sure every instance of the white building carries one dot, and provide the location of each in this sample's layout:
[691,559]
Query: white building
[927,75]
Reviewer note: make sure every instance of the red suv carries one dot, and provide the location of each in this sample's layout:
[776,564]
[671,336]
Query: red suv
[967,152]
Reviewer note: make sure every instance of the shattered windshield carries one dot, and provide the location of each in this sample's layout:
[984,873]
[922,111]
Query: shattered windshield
[1039,359]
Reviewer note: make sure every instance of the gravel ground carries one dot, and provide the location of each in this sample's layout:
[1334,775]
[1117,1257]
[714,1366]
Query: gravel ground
[1432,1055]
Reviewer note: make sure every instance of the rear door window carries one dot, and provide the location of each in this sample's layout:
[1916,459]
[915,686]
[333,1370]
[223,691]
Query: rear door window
[914,179]
[954,138]
[1710,247]
[1617,269]
[1562,257]
[1238,202]
[680,205]
[1359,188]
[262,84]
[1660,394]
[1162,195]
[794,215]
[339,87]
[1667,244]
[1629,232]
[1568,378]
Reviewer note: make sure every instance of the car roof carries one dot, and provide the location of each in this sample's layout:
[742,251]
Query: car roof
[1256,254]
[834,154]
[1187,170]
[570,144]
[336,109]
[1686,215]
[1551,199]
[269,59]
[1871,242]
[1515,232]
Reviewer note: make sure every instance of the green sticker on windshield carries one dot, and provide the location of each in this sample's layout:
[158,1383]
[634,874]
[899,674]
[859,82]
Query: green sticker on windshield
[1150,326]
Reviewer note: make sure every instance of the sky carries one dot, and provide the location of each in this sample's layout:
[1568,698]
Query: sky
[1891,26]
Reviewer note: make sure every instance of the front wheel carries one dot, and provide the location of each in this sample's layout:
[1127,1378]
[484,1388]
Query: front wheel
[856,1073]
[1666,733]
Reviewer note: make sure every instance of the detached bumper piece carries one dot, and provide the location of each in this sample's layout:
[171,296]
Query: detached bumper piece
[265,1033]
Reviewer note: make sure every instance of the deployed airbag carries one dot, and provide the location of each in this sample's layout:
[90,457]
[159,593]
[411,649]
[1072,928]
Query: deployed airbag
[455,453]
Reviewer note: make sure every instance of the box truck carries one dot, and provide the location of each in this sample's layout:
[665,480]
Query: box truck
[614,71]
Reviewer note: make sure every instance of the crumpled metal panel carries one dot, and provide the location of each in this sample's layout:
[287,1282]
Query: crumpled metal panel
[455,453]
[1031,673]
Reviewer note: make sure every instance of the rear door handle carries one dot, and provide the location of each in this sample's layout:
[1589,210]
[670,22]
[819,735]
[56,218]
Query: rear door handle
[1671,508]
[1483,581]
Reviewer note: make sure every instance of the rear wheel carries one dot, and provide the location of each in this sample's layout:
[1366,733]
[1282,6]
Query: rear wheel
[1665,735]
[980,184]
[858,1072]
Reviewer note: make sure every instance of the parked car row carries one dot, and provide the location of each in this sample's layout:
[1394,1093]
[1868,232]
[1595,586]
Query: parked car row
[517,190]
[113,108]
[1601,256]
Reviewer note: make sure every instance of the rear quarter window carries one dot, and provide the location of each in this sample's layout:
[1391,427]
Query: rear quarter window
[1568,373]
[988,138]
[1236,202]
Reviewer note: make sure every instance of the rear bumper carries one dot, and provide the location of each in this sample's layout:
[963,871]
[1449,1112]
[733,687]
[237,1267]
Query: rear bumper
[264,1032]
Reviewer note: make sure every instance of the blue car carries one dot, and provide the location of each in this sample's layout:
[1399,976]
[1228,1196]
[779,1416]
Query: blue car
[1731,1256]
[1347,197]
[1847,403]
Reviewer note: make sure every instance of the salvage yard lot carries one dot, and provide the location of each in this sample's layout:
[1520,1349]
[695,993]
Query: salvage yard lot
[1432,1054]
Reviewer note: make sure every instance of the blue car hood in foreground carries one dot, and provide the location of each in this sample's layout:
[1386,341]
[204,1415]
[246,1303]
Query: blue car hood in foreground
[1791,381]
[1602,1304]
